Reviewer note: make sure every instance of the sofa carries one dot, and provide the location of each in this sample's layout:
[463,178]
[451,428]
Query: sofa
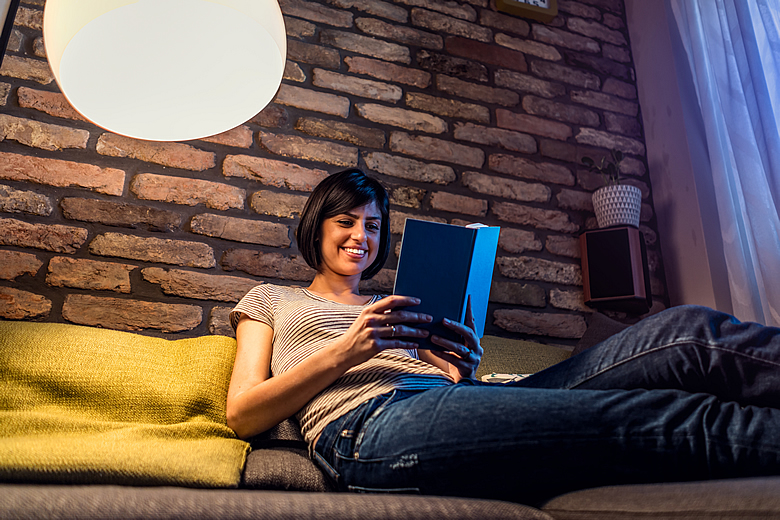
[99,423]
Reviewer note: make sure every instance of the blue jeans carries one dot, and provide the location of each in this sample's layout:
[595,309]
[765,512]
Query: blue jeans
[687,394]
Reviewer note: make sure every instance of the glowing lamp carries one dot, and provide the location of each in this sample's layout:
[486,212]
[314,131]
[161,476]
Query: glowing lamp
[166,70]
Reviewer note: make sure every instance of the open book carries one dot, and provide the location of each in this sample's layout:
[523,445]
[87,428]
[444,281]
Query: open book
[444,264]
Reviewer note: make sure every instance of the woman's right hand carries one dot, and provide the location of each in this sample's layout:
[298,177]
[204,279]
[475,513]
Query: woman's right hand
[379,327]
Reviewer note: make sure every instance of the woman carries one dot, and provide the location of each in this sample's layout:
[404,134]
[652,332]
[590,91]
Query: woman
[687,394]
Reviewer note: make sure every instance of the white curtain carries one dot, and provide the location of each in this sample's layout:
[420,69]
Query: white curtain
[733,50]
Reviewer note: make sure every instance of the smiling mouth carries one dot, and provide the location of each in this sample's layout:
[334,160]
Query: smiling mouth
[355,251]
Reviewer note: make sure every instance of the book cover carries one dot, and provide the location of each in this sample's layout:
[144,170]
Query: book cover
[444,264]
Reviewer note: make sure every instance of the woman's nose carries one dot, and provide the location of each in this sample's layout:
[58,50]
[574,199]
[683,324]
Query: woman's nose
[359,233]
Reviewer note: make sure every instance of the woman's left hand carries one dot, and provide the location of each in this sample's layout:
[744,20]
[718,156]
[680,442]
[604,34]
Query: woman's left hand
[465,357]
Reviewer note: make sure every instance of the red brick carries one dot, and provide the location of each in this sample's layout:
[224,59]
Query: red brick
[19,201]
[130,315]
[284,205]
[120,214]
[512,293]
[41,135]
[409,169]
[539,269]
[565,74]
[25,68]
[504,22]
[309,149]
[92,275]
[62,174]
[560,111]
[532,125]
[486,53]
[14,264]
[188,191]
[448,107]
[52,103]
[375,7]
[481,93]
[546,52]
[506,188]
[605,101]
[354,134]
[279,174]
[451,66]
[272,116]
[219,322]
[313,54]
[518,240]
[402,118]
[387,71]
[529,169]
[239,137]
[536,217]
[445,201]
[316,13]
[514,141]
[172,155]
[267,265]
[463,12]
[49,237]
[399,33]
[157,250]
[571,300]
[559,38]
[30,18]
[366,45]
[601,139]
[563,245]
[22,305]
[241,230]
[432,149]
[543,324]
[596,30]
[366,88]
[528,83]
[308,99]
[199,286]
[441,23]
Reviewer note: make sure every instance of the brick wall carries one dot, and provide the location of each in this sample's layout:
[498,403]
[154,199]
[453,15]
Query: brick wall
[463,113]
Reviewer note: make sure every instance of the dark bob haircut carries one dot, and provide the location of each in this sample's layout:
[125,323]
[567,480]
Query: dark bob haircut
[337,194]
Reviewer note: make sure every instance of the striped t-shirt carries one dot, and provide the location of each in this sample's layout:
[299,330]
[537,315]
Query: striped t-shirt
[304,323]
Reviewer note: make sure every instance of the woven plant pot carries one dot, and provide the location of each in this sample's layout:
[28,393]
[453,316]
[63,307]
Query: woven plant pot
[617,205]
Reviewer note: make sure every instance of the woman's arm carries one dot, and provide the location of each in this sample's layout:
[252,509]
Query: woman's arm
[459,360]
[257,402]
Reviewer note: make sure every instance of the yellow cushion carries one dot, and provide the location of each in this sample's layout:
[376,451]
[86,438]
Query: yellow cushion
[88,405]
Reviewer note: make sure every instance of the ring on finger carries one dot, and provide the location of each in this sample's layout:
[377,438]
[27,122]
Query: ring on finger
[392,329]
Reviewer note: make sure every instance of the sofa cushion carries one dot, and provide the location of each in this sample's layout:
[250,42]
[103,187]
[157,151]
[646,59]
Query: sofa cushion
[600,327]
[85,405]
[515,356]
[288,469]
[90,502]
[715,499]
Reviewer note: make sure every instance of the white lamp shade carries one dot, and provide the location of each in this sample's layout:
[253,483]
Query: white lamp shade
[166,70]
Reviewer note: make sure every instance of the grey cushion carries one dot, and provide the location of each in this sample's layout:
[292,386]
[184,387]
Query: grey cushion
[90,502]
[514,356]
[716,499]
[600,327]
[287,469]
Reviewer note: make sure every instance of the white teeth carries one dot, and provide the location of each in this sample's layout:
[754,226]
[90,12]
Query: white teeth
[355,251]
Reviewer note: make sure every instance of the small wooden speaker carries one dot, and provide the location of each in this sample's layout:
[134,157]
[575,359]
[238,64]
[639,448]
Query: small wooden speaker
[614,270]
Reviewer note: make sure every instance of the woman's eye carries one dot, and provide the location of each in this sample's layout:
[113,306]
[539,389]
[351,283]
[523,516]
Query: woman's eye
[373,227]
[345,222]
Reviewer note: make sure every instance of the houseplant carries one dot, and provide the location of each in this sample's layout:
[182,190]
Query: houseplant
[615,204]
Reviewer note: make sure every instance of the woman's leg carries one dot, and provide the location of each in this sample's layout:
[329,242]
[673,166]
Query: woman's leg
[689,348]
[529,444]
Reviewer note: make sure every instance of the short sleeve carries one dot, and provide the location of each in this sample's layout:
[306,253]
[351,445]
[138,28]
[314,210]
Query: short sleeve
[257,304]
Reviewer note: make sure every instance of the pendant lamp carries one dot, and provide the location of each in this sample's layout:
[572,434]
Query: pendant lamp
[166,70]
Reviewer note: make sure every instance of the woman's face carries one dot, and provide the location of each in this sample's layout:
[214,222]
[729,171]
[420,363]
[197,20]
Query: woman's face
[349,242]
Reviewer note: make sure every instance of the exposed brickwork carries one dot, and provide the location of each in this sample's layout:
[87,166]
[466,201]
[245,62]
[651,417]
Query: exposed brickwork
[182,190]
[463,113]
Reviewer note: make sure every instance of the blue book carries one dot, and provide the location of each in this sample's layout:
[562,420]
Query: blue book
[444,264]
